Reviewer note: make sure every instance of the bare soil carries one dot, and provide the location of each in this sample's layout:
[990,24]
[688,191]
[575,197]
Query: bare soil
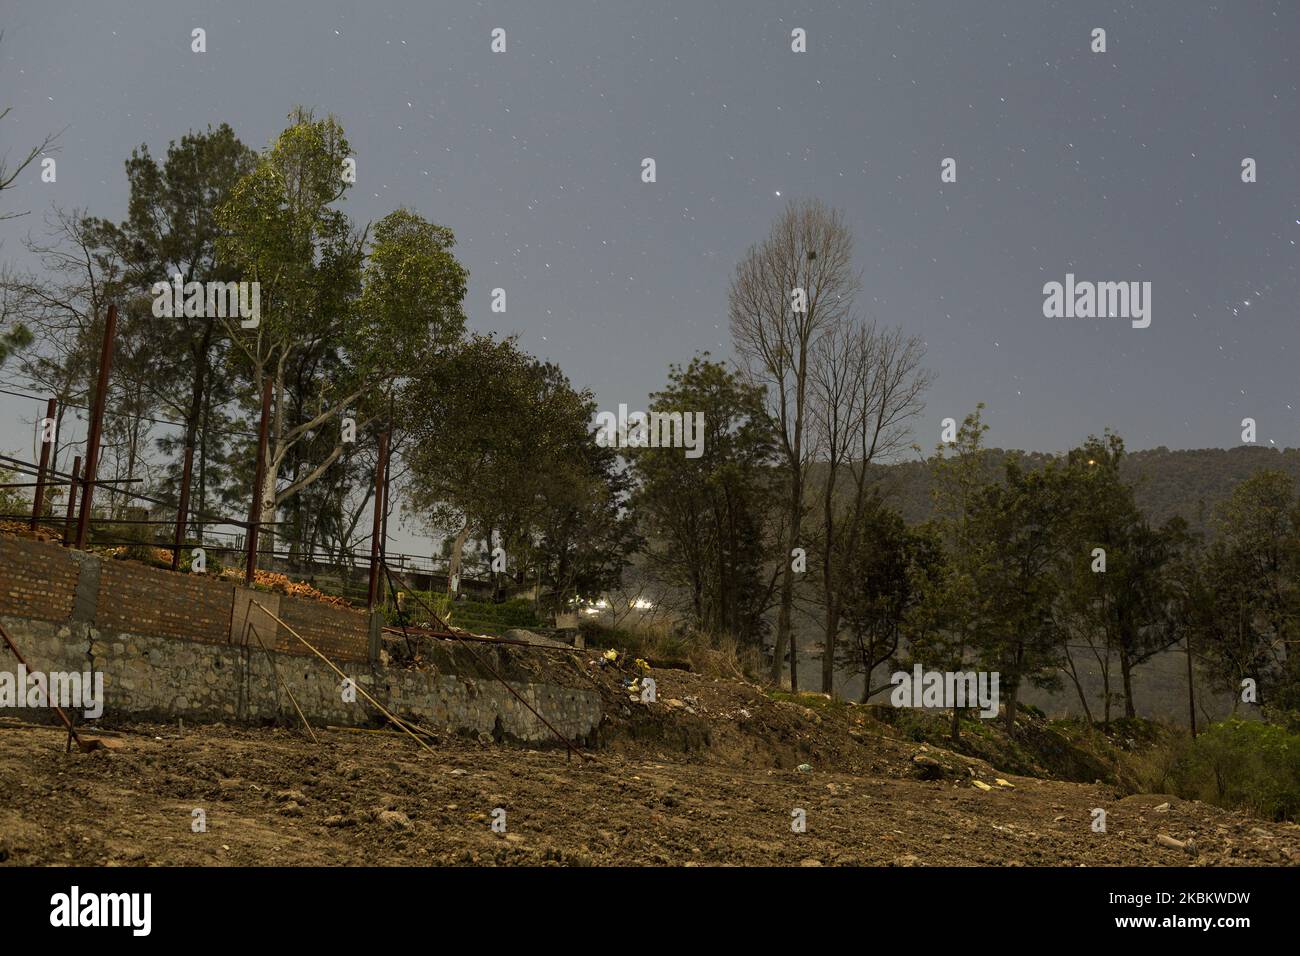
[709,775]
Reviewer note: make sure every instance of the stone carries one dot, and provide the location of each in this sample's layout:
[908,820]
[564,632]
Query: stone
[394,820]
[926,768]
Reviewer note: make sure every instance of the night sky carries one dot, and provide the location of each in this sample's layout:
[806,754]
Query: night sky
[1119,166]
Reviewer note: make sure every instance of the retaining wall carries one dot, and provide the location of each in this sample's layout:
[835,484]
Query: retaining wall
[176,645]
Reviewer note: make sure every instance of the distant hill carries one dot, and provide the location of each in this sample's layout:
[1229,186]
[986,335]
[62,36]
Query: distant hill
[1187,483]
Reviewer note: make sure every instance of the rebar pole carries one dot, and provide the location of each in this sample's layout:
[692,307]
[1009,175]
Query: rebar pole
[58,710]
[38,501]
[96,424]
[376,534]
[72,501]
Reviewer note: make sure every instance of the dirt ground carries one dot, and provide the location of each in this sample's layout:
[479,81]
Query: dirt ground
[710,775]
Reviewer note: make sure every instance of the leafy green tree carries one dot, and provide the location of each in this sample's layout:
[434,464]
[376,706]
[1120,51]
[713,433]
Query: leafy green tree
[706,519]
[171,229]
[335,334]
[1130,612]
[1021,522]
[884,574]
[13,336]
[956,611]
[501,446]
[1247,607]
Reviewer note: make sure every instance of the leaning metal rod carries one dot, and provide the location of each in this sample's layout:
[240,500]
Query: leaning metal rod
[57,709]
[502,680]
[249,625]
[355,684]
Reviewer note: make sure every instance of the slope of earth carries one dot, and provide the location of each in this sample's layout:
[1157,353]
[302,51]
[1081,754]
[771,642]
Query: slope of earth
[273,797]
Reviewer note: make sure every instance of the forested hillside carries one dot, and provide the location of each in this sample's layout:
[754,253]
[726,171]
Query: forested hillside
[1187,483]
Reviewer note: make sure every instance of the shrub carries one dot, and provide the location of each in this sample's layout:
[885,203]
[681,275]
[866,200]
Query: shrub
[1243,765]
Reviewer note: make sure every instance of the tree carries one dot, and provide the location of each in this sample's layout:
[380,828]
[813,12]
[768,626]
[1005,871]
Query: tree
[1128,612]
[786,293]
[331,335]
[63,308]
[866,387]
[501,445]
[1022,523]
[956,611]
[706,519]
[885,572]
[9,174]
[171,229]
[1247,612]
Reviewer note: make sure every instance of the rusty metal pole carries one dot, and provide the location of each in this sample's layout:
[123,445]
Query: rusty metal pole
[183,507]
[72,501]
[39,499]
[96,425]
[58,710]
[255,513]
[376,534]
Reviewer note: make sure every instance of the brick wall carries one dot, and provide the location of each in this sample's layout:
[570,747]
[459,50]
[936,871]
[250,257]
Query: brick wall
[162,641]
[142,600]
[335,632]
[37,580]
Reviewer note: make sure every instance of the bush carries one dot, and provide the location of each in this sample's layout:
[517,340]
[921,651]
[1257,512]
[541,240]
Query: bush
[710,655]
[479,616]
[1243,765]
[417,609]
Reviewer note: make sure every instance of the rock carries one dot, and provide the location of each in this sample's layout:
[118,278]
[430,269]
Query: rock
[1002,783]
[981,784]
[1162,808]
[394,819]
[810,861]
[926,768]
[1187,846]
[339,820]
[907,859]
[530,637]
[295,795]
[805,768]
[290,809]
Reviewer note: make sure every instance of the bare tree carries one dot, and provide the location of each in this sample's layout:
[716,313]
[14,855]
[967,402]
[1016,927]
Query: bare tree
[867,386]
[786,293]
[8,174]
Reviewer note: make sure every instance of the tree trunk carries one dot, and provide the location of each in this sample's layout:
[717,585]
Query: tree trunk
[454,561]
[1078,687]
[828,651]
[1126,668]
[784,616]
